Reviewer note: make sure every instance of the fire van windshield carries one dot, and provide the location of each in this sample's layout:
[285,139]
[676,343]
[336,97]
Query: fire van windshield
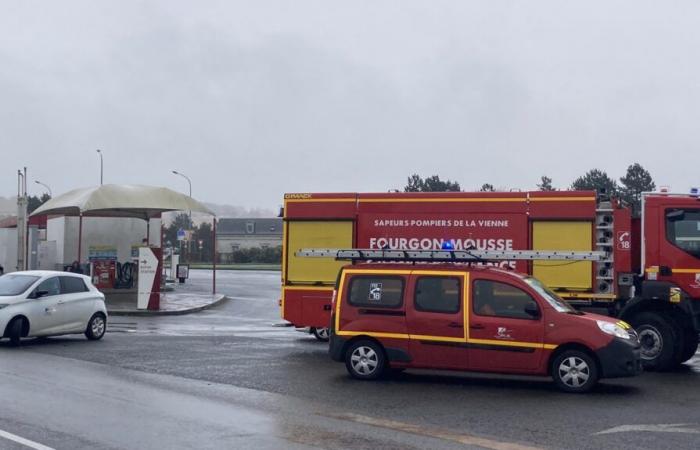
[553,299]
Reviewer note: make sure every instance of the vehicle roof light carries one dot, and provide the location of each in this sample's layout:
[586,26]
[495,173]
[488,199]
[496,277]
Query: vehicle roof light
[694,192]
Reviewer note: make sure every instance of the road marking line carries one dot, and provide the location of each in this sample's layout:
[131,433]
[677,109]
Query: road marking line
[658,428]
[23,441]
[446,435]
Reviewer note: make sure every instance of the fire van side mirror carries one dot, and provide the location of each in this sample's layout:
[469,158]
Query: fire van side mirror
[532,310]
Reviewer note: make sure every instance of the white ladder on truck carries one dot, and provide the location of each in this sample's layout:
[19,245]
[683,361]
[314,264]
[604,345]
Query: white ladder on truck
[449,255]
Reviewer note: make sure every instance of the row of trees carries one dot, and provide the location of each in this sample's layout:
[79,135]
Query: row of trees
[199,248]
[636,180]
[34,202]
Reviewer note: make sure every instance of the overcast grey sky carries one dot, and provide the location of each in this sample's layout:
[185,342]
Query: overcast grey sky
[253,99]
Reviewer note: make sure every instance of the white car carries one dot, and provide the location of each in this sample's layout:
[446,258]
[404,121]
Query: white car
[47,303]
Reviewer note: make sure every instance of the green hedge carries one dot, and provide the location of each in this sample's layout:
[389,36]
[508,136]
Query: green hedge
[266,255]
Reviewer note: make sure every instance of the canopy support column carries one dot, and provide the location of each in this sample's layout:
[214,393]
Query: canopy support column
[213,252]
[80,236]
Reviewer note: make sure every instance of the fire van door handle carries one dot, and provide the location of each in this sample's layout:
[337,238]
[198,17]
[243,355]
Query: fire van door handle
[454,325]
[476,326]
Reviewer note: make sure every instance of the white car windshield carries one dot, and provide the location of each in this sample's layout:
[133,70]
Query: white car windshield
[553,299]
[15,284]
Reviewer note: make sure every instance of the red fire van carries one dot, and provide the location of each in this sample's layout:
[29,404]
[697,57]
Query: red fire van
[389,316]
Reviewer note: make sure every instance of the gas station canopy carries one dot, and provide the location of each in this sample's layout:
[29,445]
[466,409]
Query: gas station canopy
[120,200]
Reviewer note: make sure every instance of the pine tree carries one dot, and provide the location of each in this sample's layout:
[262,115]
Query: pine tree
[636,181]
[546,184]
[595,180]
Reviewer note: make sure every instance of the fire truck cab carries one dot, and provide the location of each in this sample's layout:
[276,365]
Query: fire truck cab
[458,317]
[650,277]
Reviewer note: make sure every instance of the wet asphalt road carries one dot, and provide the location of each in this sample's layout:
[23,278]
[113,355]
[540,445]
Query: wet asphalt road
[226,378]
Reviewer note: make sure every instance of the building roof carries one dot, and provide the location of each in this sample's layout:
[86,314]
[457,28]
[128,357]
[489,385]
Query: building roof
[11,222]
[249,227]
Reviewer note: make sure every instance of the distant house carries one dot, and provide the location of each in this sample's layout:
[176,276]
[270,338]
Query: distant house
[235,234]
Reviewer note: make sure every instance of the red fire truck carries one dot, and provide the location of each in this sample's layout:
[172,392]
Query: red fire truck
[650,276]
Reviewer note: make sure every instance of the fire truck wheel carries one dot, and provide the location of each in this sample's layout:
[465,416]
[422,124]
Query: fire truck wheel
[365,360]
[691,347]
[660,343]
[574,371]
[689,341]
[322,334]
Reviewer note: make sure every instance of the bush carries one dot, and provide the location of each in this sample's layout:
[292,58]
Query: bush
[266,255]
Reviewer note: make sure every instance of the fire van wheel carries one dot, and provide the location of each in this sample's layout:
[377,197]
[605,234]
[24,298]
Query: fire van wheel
[574,371]
[96,327]
[322,334]
[365,360]
[658,340]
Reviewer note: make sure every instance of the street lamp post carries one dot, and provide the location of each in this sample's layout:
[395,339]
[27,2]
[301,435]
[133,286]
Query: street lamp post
[46,186]
[101,166]
[189,183]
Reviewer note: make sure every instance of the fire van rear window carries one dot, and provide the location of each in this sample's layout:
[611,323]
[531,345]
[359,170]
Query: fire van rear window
[376,292]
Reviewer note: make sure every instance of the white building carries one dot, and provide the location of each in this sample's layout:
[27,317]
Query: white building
[235,234]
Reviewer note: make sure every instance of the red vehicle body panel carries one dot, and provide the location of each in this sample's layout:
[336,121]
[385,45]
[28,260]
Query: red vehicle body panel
[660,253]
[490,221]
[488,344]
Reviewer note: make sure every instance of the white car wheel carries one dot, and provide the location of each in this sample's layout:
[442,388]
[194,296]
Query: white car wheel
[96,327]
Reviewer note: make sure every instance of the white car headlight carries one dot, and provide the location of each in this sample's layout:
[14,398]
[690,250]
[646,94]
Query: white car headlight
[612,329]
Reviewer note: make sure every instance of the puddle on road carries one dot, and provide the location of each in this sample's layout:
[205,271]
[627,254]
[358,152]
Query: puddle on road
[242,330]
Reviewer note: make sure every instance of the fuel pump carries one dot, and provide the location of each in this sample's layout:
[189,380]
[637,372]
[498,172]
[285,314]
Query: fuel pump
[103,266]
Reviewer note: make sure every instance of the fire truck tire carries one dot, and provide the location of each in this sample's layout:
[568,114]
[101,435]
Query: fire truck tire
[322,334]
[689,337]
[574,371]
[660,343]
[365,360]
[691,347]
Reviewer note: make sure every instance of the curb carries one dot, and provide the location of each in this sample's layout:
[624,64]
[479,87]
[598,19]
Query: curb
[177,312]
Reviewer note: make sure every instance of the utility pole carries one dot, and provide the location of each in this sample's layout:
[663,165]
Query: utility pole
[22,202]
